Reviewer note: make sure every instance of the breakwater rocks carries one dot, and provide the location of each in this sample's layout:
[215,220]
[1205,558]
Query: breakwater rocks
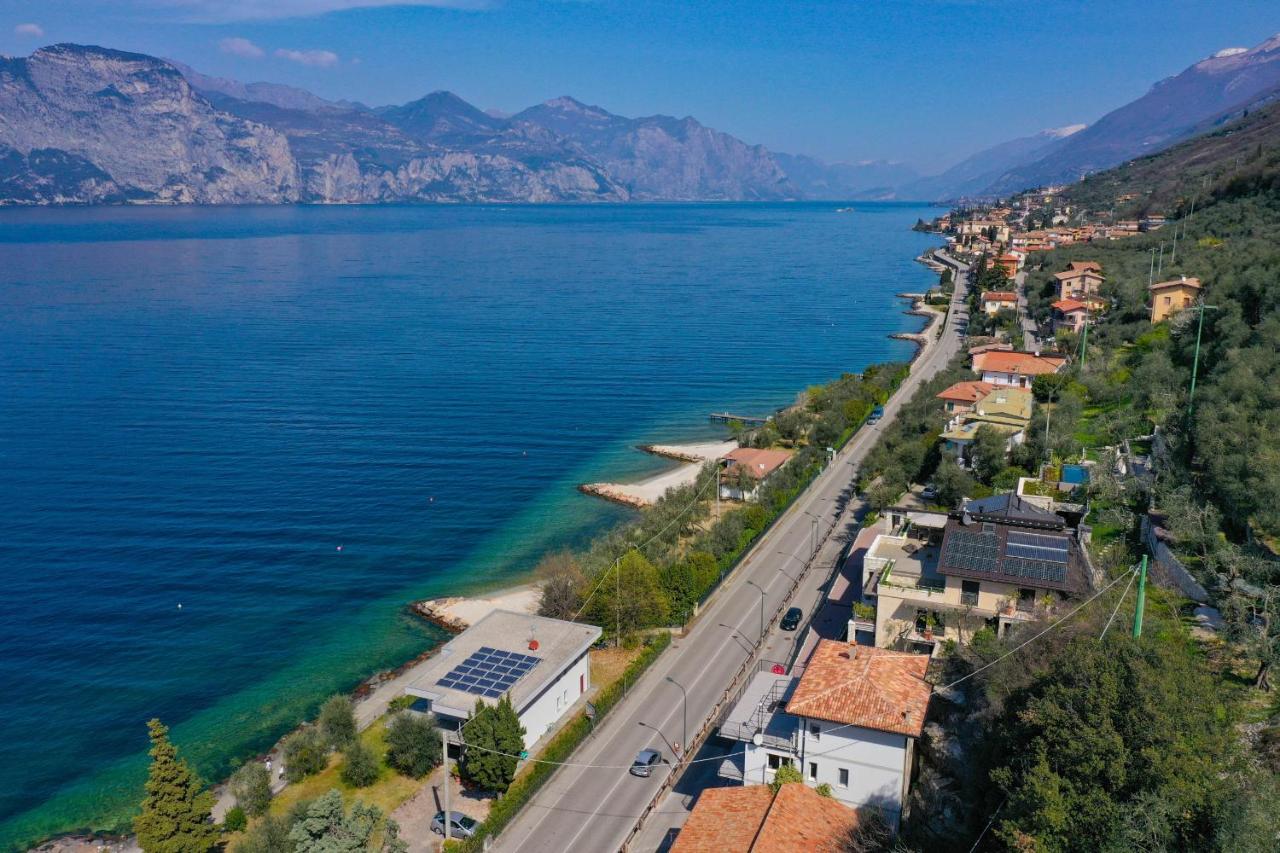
[613,492]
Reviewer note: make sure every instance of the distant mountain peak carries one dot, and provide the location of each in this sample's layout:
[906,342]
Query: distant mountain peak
[1229,51]
[1065,131]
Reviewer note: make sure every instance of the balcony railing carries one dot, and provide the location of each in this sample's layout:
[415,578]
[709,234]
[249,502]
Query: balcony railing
[969,599]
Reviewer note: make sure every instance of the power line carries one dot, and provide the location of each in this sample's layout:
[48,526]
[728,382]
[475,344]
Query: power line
[1030,640]
[1133,574]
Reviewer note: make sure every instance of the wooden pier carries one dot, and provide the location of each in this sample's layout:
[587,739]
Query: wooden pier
[725,417]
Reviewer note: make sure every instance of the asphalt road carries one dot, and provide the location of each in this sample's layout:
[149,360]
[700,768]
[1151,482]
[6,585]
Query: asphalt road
[593,805]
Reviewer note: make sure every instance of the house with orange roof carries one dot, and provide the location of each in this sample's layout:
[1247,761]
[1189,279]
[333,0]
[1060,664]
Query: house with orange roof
[746,468]
[995,301]
[849,718]
[754,819]
[963,396]
[1080,280]
[1170,297]
[1014,369]
[1070,314]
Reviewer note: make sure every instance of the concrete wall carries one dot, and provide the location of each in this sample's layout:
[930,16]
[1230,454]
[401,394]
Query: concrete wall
[556,699]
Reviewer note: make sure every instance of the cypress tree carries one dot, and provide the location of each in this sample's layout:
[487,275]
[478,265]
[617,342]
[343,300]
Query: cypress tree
[176,812]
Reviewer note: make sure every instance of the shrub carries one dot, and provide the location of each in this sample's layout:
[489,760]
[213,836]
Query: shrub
[785,775]
[338,722]
[494,738]
[251,786]
[234,820]
[413,744]
[360,769]
[305,753]
[824,790]
[401,703]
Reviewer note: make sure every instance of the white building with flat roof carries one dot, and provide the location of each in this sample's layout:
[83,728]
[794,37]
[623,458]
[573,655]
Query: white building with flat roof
[541,664]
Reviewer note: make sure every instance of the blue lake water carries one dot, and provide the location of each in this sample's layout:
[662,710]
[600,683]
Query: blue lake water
[199,406]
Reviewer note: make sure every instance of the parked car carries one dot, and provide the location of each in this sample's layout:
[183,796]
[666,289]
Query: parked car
[460,826]
[791,619]
[876,414]
[643,765]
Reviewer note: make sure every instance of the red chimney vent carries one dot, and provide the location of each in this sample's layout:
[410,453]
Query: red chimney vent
[533,645]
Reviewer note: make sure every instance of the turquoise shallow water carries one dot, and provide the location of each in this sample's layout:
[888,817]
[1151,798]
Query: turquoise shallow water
[202,405]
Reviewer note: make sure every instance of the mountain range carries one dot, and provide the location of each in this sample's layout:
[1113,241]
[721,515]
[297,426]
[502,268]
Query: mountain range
[84,124]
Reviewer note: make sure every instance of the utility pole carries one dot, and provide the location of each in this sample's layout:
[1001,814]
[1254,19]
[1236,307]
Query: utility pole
[1142,599]
[1173,259]
[444,740]
[1160,266]
[1151,274]
[1195,362]
[617,602]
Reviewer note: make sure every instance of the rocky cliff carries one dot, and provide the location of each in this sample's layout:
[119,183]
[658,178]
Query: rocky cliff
[87,124]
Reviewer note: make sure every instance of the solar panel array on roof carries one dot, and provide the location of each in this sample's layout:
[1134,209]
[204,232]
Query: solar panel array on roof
[1037,546]
[975,551]
[1041,570]
[488,672]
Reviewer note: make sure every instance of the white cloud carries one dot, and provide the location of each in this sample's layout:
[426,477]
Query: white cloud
[34,30]
[241,47]
[317,58]
[221,11]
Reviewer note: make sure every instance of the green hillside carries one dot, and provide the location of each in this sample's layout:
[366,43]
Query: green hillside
[1239,159]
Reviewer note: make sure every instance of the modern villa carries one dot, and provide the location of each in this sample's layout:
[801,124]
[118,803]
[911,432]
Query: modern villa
[540,663]
[998,561]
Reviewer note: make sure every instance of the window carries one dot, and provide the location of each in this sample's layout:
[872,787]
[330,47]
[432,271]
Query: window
[813,770]
[815,731]
[844,777]
[776,761]
[1168,300]
[969,593]
[1026,600]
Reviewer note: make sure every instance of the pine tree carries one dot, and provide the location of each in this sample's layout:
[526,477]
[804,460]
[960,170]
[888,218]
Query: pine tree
[494,737]
[176,813]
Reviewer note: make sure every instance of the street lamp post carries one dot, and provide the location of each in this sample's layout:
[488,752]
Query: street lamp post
[684,712]
[757,586]
[645,725]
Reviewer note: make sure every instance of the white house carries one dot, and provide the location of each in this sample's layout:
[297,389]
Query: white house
[850,720]
[1014,369]
[542,664]
[757,463]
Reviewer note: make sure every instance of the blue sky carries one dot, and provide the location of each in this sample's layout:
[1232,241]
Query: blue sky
[921,82]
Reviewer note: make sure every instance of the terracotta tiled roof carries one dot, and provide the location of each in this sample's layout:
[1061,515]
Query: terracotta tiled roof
[864,686]
[967,392]
[1072,274]
[1177,282]
[761,462]
[1066,306]
[1000,296]
[1025,363]
[1081,266]
[752,819]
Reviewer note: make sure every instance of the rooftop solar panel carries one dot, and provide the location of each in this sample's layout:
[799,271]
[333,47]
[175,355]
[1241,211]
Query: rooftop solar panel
[488,672]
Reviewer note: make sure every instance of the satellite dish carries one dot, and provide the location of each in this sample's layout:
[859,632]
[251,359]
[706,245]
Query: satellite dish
[757,739]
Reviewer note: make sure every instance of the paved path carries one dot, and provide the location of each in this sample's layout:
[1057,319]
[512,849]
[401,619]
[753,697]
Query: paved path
[1030,338]
[593,804]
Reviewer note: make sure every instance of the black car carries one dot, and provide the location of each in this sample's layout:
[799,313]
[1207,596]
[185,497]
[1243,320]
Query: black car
[791,619]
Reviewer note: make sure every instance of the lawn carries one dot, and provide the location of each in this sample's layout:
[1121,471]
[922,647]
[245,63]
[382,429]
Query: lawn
[387,793]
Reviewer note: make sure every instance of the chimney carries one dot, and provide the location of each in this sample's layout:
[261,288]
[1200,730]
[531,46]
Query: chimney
[533,645]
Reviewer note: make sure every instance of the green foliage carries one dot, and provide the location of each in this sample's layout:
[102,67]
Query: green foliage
[1106,730]
[634,599]
[305,753]
[337,722]
[824,790]
[413,744]
[988,453]
[268,835]
[494,737]
[1049,386]
[327,827]
[251,786]
[176,812]
[401,703]
[234,820]
[359,766]
[785,775]
[952,482]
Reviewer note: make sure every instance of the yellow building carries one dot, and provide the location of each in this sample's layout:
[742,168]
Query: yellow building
[1170,297]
